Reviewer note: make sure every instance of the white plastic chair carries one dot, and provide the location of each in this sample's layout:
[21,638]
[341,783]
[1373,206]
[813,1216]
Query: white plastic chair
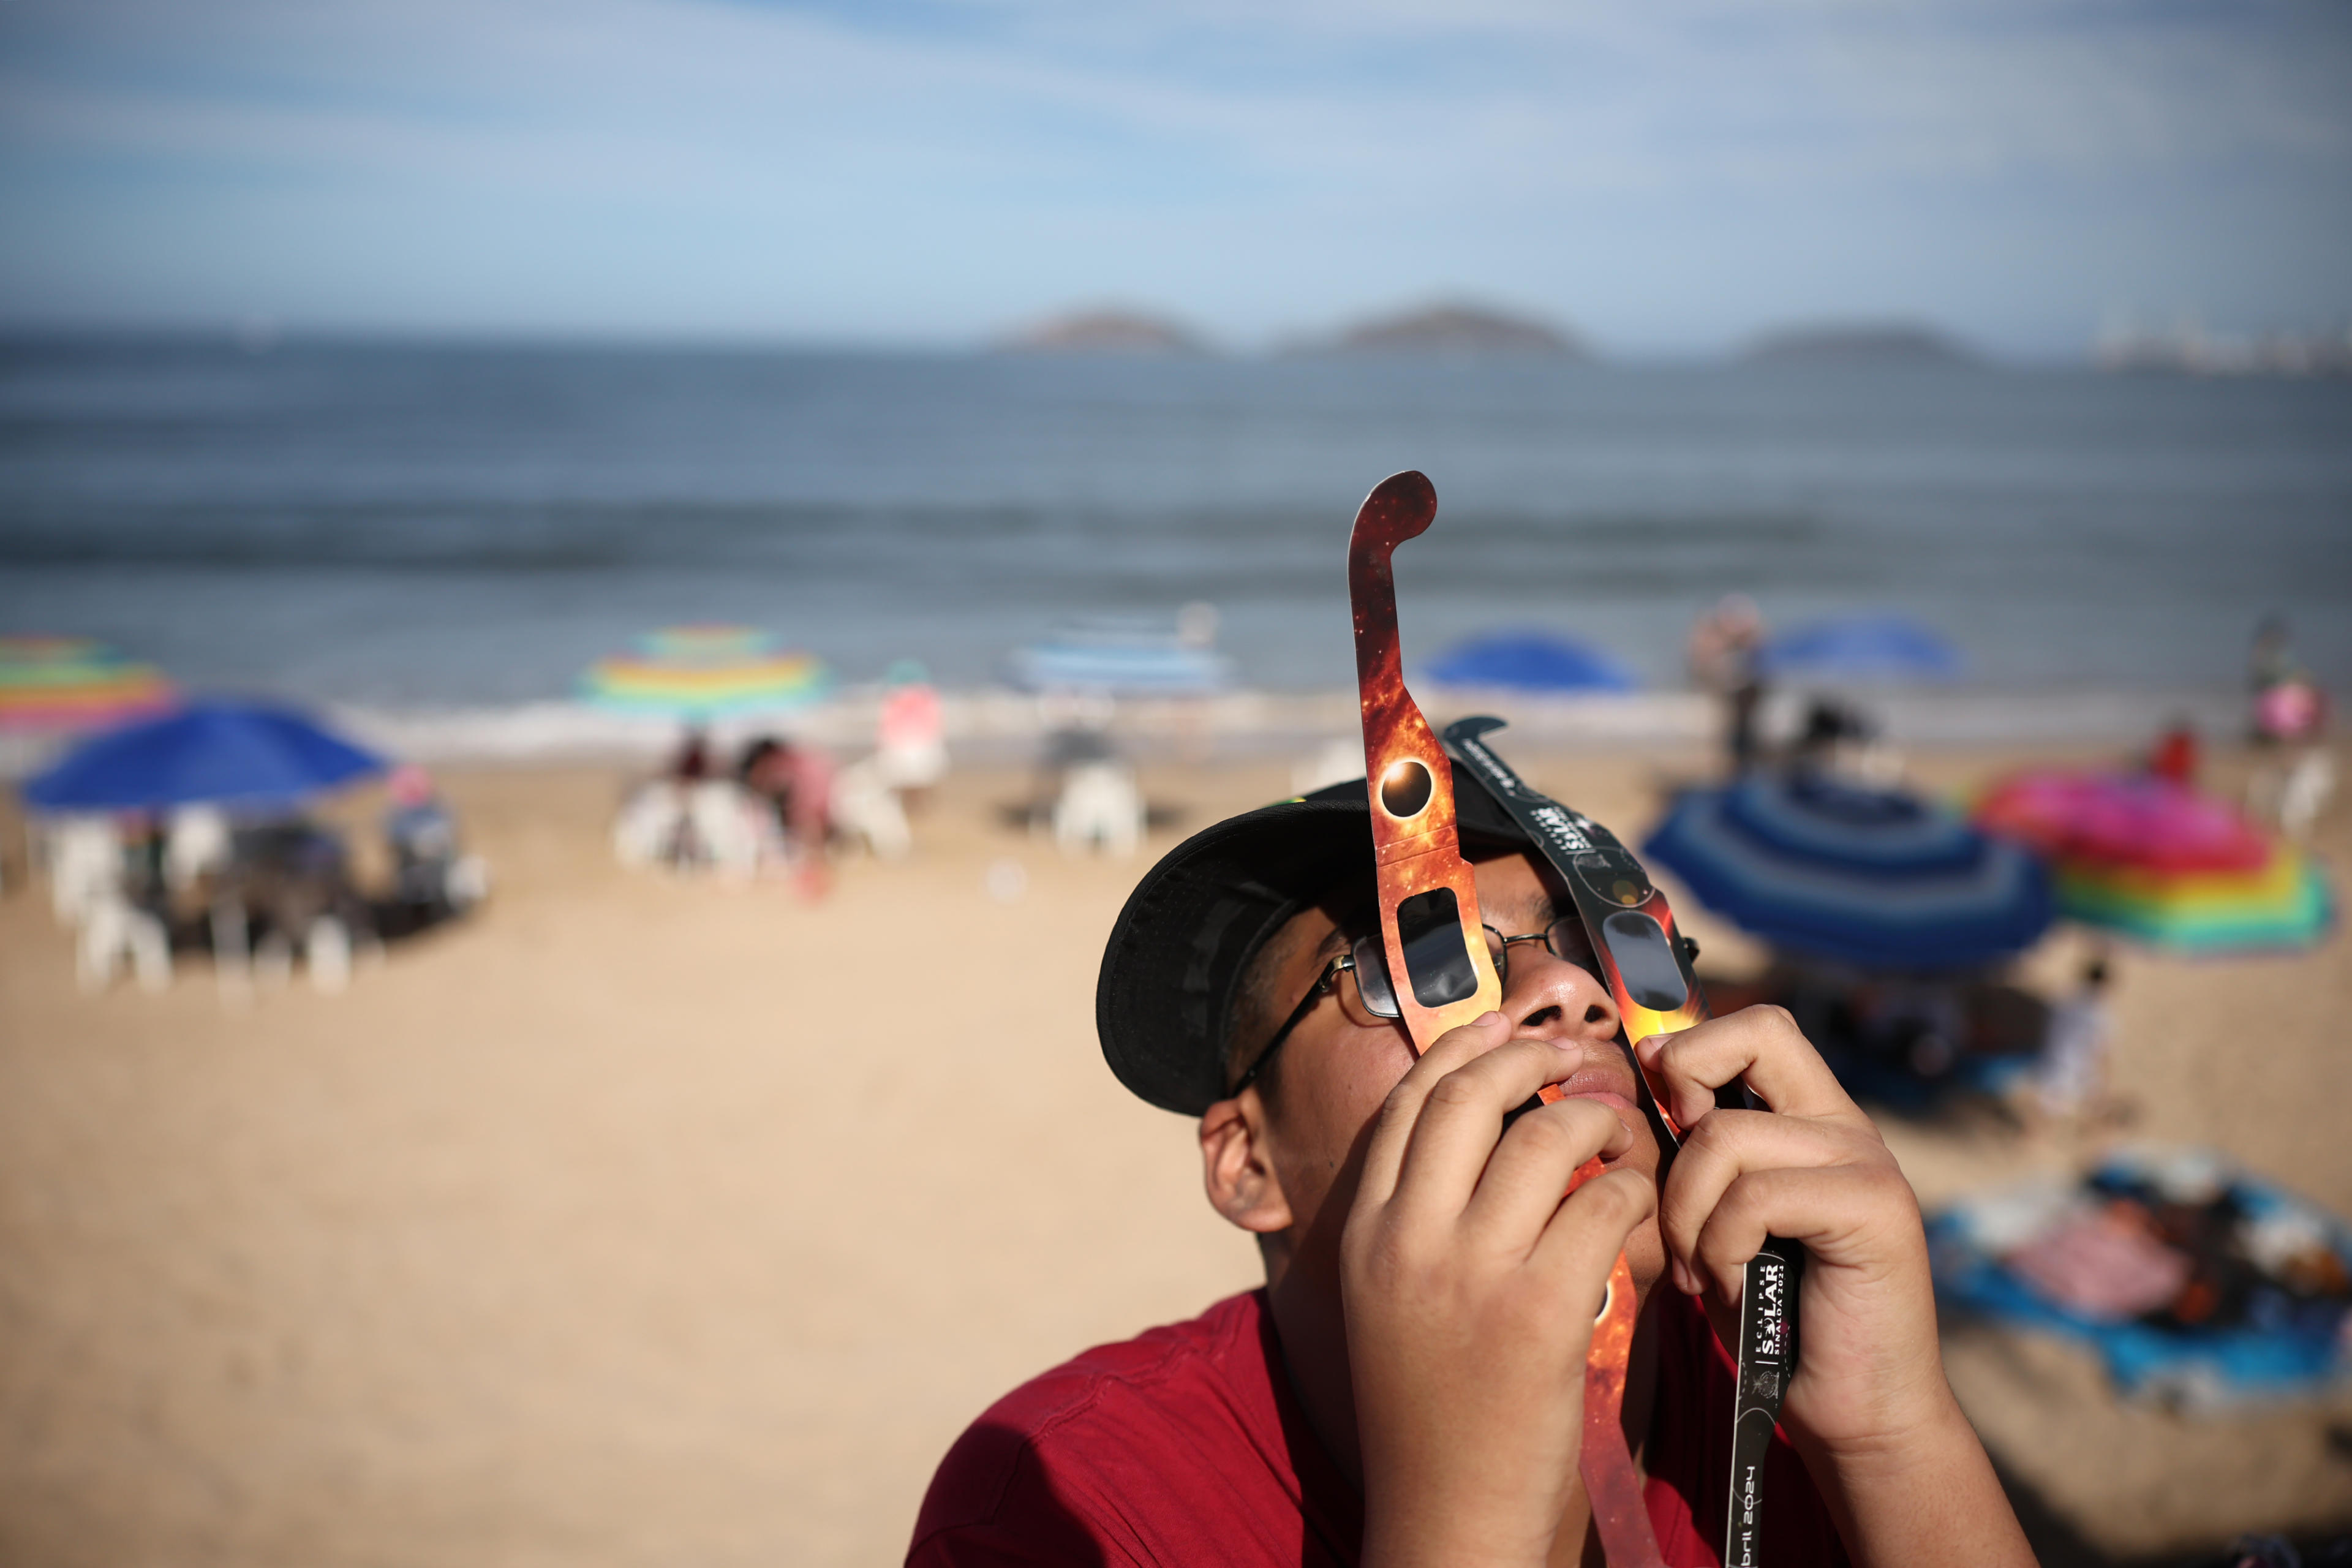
[647,825]
[327,955]
[196,844]
[466,882]
[85,866]
[2304,797]
[864,804]
[727,834]
[1100,806]
[114,933]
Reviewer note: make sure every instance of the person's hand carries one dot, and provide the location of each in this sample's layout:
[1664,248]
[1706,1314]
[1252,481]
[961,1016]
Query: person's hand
[1814,1169]
[1471,1287]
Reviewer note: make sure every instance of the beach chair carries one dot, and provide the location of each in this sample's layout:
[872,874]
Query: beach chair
[196,845]
[1100,806]
[465,883]
[727,834]
[2304,794]
[863,806]
[232,938]
[85,856]
[290,882]
[327,955]
[648,825]
[115,932]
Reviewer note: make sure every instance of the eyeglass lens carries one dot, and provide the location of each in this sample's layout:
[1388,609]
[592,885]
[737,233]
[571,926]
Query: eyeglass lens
[1565,939]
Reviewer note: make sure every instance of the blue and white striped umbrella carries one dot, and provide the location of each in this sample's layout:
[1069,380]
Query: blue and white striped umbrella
[1862,648]
[1881,879]
[1119,662]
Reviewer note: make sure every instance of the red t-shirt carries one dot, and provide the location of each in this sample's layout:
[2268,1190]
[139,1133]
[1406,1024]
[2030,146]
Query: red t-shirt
[1186,1446]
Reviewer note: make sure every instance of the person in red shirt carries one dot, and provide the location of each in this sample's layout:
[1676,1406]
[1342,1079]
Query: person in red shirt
[1408,1385]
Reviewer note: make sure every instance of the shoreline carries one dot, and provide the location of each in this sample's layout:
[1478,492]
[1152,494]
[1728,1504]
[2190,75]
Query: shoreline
[997,726]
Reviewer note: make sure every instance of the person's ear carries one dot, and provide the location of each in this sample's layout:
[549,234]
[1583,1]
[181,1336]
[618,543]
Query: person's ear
[1237,1165]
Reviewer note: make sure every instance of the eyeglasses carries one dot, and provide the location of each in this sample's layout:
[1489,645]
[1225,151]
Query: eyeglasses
[1367,958]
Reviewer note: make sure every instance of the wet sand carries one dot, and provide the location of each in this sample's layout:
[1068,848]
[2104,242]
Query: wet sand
[649,1221]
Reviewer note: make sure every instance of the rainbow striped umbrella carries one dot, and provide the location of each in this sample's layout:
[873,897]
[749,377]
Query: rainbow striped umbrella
[701,672]
[2283,904]
[2157,860]
[62,684]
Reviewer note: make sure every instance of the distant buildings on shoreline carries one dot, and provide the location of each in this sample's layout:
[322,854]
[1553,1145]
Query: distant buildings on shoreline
[2187,348]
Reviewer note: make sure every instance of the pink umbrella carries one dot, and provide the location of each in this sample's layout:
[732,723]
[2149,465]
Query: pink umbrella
[2123,819]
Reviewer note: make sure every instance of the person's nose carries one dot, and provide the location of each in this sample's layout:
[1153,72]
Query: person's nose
[1553,999]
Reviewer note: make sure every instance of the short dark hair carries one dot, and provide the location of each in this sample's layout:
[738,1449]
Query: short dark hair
[1258,1009]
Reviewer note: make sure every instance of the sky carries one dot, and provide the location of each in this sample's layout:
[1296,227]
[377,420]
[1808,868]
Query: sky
[1667,178]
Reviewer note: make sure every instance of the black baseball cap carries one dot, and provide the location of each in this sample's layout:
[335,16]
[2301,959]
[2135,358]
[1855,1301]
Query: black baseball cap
[1196,919]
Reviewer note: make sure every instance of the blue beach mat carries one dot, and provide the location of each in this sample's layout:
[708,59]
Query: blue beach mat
[2261,1311]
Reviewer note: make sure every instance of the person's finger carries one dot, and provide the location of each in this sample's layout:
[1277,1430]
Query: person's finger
[1761,1044]
[1462,1118]
[1727,1146]
[1821,1208]
[1581,1244]
[1393,1132]
[1527,1176]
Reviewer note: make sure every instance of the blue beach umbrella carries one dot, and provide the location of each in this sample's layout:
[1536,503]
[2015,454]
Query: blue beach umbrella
[1861,648]
[244,755]
[1529,661]
[1878,878]
[1119,662]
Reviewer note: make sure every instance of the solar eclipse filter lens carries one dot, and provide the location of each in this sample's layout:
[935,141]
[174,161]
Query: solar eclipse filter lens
[1644,961]
[1436,954]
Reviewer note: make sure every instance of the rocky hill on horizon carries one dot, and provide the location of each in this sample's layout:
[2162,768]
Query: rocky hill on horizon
[1107,330]
[1458,329]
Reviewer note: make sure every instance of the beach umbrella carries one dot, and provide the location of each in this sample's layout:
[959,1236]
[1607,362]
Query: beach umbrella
[1529,661]
[243,755]
[701,672]
[1860,648]
[2121,819]
[49,683]
[2283,906]
[1881,879]
[2156,860]
[1116,660]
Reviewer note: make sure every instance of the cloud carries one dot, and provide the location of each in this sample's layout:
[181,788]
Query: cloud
[939,167]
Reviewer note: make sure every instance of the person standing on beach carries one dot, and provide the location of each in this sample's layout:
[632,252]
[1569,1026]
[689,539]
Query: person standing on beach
[1407,1386]
[1727,645]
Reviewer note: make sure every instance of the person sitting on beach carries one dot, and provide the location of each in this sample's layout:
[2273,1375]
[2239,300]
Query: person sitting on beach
[1407,1386]
[910,748]
[795,780]
[690,764]
[420,836]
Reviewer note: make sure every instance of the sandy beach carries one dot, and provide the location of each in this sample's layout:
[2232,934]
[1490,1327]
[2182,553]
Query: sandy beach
[641,1220]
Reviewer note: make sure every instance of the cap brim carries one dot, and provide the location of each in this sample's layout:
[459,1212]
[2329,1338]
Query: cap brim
[1193,924]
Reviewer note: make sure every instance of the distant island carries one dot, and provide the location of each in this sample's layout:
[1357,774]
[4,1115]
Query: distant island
[1864,342]
[1457,329]
[1106,332]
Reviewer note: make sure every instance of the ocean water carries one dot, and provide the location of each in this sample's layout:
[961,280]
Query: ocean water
[452,524]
